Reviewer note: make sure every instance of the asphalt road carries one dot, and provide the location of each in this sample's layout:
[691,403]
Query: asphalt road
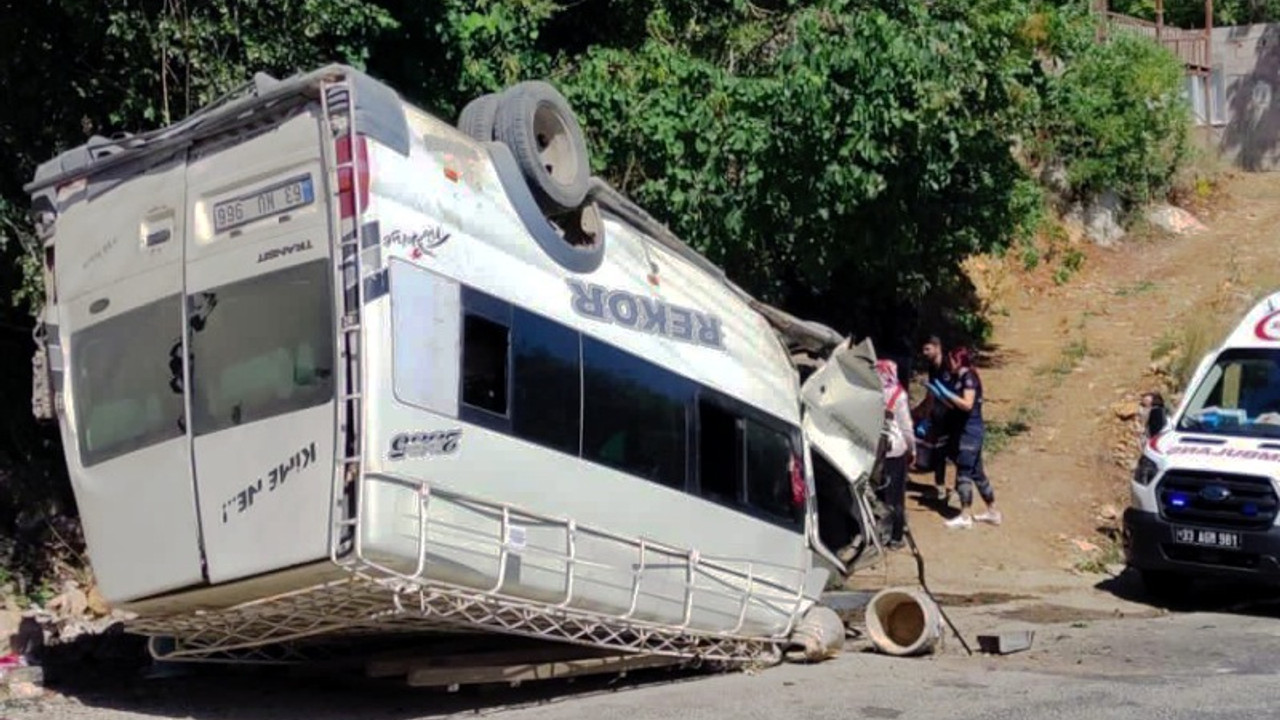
[1086,663]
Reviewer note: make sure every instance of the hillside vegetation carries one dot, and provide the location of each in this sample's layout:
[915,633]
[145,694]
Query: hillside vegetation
[840,157]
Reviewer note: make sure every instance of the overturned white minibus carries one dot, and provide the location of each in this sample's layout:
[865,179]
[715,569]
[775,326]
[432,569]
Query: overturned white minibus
[324,364]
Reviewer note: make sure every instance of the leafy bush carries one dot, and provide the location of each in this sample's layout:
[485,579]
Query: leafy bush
[841,156]
[1116,118]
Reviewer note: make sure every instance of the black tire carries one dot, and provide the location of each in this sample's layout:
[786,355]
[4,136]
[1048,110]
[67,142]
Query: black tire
[535,121]
[478,117]
[1163,584]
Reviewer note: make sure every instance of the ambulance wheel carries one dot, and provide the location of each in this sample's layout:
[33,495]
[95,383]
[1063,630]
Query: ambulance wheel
[478,116]
[535,121]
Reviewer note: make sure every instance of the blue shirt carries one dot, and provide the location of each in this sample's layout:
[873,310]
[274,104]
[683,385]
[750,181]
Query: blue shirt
[968,421]
[940,409]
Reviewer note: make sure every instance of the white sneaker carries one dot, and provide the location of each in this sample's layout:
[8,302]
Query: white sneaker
[943,492]
[990,516]
[960,521]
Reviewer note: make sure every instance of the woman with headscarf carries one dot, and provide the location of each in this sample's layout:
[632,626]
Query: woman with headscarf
[900,447]
[964,396]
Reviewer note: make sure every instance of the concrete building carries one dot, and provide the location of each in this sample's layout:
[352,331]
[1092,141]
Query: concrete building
[1238,108]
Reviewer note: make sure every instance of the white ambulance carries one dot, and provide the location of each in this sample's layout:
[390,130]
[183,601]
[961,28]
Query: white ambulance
[1204,494]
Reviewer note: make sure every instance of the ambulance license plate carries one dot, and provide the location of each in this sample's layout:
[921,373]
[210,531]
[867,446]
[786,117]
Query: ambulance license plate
[1224,539]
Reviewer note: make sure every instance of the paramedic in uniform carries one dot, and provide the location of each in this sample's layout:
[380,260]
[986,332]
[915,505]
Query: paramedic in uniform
[936,414]
[901,447]
[967,435]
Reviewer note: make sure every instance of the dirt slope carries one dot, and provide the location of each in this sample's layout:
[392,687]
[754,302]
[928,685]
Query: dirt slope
[1063,359]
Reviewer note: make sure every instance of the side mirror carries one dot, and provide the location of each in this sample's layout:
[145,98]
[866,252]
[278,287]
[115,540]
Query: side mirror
[1156,419]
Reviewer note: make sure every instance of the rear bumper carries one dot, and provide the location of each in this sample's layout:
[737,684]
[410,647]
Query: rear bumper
[1149,544]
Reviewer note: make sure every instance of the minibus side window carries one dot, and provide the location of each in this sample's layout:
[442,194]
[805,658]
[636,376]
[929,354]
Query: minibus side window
[546,403]
[635,415]
[486,360]
[769,472]
[743,461]
[484,364]
[719,453]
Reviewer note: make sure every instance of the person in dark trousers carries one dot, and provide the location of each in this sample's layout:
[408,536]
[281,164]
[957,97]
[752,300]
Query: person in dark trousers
[967,435]
[1149,401]
[900,448]
[935,414]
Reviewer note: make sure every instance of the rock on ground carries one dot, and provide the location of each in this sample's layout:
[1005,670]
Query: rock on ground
[1174,220]
[1099,218]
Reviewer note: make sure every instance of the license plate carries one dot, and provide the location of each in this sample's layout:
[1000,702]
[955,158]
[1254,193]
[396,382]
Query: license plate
[1207,538]
[279,198]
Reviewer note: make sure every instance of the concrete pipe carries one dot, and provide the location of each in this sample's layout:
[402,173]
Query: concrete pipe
[818,636]
[903,621]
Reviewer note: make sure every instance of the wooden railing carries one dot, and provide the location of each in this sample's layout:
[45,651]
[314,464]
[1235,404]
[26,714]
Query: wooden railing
[1190,46]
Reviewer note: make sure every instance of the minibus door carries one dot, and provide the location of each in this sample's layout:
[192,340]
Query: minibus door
[119,278]
[261,319]
[843,420]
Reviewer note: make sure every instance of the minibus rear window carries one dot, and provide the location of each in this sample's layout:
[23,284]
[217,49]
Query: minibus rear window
[127,384]
[261,347]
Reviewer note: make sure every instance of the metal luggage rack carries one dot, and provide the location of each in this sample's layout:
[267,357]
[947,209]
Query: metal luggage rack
[376,598]
[272,629]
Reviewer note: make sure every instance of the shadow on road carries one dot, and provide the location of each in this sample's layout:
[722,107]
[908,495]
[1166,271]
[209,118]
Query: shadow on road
[1201,595]
[925,497]
[112,675]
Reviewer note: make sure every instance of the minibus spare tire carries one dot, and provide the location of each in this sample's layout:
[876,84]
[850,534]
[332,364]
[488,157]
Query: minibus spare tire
[477,117]
[535,121]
